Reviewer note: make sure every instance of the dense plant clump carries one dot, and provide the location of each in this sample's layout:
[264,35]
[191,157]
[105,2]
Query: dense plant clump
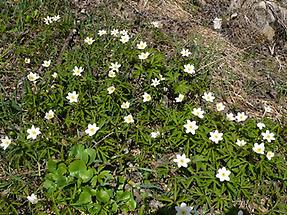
[121,128]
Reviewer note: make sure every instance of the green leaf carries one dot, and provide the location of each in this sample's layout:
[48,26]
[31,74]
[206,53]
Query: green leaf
[86,175]
[62,169]
[77,149]
[85,198]
[76,167]
[95,209]
[114,207]
[92,153]
[102,196]
[123,196]
[48,184]
[60,180]
[132,204]
[83,155]
[94,181]
[52,166]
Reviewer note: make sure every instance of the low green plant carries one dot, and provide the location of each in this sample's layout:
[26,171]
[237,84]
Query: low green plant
[83,182]
[131,142]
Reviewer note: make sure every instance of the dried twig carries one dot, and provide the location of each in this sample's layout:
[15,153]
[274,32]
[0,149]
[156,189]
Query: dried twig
[105,137]
[66,44]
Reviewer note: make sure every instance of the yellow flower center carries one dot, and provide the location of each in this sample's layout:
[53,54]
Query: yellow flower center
[181,160]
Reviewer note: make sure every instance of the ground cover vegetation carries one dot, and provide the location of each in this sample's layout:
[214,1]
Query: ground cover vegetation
[95,118]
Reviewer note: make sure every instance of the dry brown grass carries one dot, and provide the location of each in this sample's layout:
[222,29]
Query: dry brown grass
[162,8]
[240,82]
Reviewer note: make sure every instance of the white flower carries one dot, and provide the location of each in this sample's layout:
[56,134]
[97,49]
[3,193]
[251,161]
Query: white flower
[223,174]
[146,97]
[111,89]
[123,32]
[92,129]
[268,136]
[161,77]
[125,38]
[77,71]
[111,74]
[33,76]
[189,68]
[241,117]
[5,142]
[260,125]
[115,32]
[269,155]
[27,60]
[208,96]
[240,212]
[49,115]
[156,24]
[217,22]
[198,112]
[220,106]
[33,199]
[155,134]
[215,136]
[181,160]
[230,116]
[183,209]
[48,20]
[141,45]
[102,32]
[56,18]
[185,52]
[268,109]
[115,66]
[259,148]
[125,105]
[55,75]
[155,82]
[179,98]
[46,63]
[33,132]
[89,40]
[240,142]
[143,55]
[190,127]
[73,97]
[129,119]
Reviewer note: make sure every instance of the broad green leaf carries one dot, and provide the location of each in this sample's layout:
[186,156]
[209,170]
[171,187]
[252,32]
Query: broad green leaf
[92,155]
[85,198]
[83,155]
[52,166]
[86,175]
[102,196]
[95,209]
[62,169]
[76,149]
[114,207]
[123,196]
[60,180]
[132,204]
[76,167]
[48,184]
